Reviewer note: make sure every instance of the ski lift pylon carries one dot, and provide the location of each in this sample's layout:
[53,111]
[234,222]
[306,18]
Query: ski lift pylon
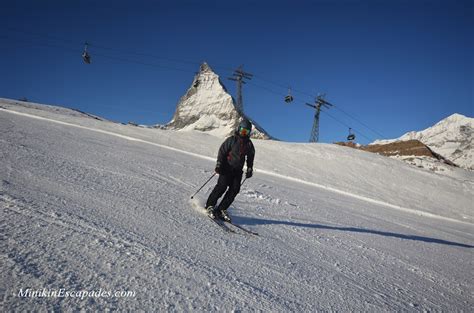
[85,55]
[289,97]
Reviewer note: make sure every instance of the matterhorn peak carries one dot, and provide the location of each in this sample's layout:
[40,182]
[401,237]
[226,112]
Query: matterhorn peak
[208,107]
[205,68]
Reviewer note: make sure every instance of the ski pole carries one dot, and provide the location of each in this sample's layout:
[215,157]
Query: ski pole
[243,181]
[203,185]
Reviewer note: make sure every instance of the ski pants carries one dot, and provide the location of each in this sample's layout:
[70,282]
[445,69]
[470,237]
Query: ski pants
[231,181]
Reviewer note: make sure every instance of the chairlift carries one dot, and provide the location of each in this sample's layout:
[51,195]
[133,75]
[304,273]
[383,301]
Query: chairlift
[289,97]
[85,55]
[351,135]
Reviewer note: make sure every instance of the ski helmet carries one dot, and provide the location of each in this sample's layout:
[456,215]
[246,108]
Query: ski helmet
[245,127]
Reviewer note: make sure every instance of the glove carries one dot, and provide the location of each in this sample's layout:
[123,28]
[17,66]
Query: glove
[218,169]
[249,173]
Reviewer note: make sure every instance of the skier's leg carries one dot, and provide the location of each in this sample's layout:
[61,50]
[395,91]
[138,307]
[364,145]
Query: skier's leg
[218,191]
[230,195]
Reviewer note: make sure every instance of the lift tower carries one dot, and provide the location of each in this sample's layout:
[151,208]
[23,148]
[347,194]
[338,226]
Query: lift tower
[239,76]
[319,102]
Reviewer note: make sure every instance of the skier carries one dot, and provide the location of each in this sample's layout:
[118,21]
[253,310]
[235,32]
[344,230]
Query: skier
[230,162]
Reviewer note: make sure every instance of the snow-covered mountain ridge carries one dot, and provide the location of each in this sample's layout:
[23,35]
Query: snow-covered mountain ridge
[88,204]
[208,107]
[452,137]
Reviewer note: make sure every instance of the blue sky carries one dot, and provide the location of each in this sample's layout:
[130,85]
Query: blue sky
[388,66]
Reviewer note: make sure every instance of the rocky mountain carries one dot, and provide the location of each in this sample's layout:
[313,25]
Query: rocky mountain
[452,138]
[208,107]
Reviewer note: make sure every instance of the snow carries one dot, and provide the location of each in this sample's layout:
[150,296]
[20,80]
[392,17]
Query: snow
[434,165]
[89,204]
[217,127]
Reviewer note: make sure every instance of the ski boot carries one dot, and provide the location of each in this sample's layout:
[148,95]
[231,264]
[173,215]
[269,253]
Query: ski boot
[225,216]
[211,212]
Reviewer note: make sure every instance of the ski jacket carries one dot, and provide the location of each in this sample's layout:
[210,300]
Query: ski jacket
[234,152]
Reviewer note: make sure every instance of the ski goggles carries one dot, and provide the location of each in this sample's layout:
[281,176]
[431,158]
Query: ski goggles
[244,131]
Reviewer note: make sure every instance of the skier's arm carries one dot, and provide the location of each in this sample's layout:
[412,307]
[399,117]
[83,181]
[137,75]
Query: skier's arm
[250,157]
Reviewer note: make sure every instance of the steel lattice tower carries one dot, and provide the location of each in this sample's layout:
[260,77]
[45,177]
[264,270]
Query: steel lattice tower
[320,102]
[239,76]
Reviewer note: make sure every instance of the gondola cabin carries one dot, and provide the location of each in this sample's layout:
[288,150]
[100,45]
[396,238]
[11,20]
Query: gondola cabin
[85,55]
[351,135]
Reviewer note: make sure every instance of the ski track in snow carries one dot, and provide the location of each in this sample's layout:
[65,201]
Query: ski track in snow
[87,210]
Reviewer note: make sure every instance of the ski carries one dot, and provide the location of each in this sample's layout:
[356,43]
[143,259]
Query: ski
[222,226]
[242,228]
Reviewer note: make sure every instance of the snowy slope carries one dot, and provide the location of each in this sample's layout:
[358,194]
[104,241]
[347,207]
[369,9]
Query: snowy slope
[452,137]
[89,204]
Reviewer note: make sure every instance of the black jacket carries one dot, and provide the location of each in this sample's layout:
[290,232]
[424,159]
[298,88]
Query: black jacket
[233,153]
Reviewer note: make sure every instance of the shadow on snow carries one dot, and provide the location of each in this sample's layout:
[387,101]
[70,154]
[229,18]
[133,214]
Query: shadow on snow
[257,221]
